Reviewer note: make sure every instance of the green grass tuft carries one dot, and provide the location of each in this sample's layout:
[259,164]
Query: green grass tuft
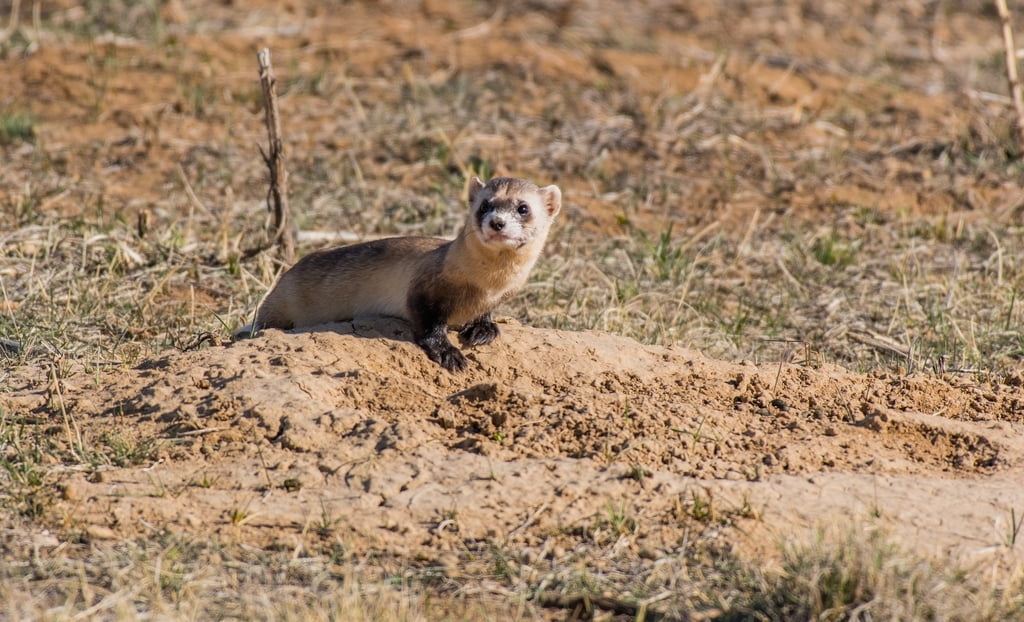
[17,126]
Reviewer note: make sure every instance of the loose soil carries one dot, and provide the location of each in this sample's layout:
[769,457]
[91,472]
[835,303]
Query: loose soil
[537,438]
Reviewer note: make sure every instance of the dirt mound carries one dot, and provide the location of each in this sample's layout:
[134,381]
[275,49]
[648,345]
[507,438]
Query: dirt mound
[554,394]
[543,432]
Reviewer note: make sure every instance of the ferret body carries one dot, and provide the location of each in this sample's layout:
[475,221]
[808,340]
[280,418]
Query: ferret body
[431,282]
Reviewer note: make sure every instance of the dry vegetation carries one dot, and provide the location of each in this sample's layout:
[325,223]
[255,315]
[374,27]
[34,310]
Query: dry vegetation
[812,182]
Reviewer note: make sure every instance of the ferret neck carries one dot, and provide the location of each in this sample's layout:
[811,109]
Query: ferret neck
[467,256]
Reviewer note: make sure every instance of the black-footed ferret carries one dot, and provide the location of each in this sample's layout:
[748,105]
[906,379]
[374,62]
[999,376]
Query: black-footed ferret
[431,282]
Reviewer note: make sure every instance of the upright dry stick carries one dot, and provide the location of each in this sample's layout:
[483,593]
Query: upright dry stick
[277,198]
[1011,71]
[12,24]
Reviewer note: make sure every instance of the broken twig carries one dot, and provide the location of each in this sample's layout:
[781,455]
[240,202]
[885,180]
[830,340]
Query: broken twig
[886,345]
[281,233]
[1011,71]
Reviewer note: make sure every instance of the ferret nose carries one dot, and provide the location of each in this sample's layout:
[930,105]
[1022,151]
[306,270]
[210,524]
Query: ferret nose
[497,224]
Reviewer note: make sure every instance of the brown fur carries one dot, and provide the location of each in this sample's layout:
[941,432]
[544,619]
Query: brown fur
[346,282]
[431,282]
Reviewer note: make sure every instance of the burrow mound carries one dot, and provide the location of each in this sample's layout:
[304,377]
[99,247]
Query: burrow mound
[351,387]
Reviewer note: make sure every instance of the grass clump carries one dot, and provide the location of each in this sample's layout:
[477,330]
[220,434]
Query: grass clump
[866,577]
[15,127]
[25,486]
[175,578]
[832,250]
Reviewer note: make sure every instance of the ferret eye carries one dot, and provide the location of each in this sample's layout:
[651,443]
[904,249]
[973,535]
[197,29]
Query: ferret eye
[523,209]
[485,206]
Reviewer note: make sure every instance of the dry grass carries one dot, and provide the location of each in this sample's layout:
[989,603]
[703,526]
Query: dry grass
[723,192]
[950,298]
[169,578]
[866,577]
[715,223]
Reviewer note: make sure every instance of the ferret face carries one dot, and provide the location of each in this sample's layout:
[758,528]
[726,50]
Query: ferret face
[511,213]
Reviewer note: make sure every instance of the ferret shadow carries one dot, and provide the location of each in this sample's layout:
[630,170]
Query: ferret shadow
[366,327]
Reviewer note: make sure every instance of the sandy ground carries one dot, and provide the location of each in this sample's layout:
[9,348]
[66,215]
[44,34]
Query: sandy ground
[532,444]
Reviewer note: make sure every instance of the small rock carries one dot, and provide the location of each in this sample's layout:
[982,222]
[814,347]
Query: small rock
[99,532]
[72,492]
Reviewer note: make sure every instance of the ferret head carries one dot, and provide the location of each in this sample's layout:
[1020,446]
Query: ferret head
[509,214]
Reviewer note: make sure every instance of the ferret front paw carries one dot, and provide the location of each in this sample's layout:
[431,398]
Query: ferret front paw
[479,332]
[443,353]
[450,358]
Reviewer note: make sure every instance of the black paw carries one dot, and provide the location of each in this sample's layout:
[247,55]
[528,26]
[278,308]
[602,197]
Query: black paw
[450,358]
[479,332]
[442,352]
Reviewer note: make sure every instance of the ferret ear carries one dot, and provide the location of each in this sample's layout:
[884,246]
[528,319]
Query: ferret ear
[552,198]
[475,186]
